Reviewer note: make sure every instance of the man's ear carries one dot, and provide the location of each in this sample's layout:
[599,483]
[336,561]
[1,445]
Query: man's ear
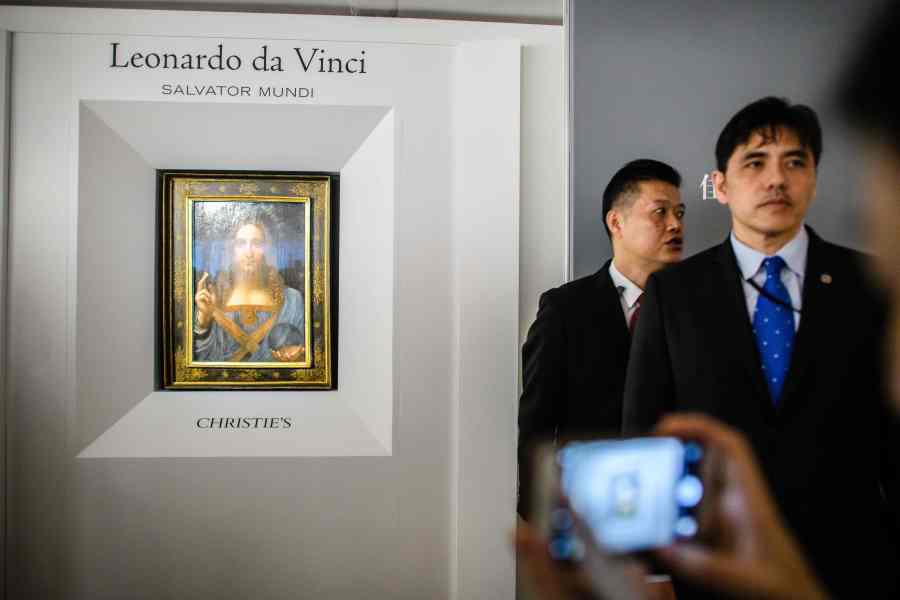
[721,186]
[614,222]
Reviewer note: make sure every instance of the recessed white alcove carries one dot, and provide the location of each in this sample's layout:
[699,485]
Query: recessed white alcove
[451,151]
[121,144]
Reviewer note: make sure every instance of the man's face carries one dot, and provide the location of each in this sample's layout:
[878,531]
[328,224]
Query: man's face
[249,250]
[768,184]
[882,220]
[650,227]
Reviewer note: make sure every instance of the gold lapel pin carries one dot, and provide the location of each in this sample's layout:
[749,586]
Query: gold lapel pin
[825,278]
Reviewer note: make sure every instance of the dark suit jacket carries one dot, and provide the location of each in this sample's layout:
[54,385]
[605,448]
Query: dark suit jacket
[573,368]
[825,449]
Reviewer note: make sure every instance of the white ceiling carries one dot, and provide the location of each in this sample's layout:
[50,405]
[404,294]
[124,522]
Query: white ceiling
[531,11]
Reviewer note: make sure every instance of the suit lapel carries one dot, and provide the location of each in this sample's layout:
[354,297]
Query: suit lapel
[608,303]
[737,321]
[816,298]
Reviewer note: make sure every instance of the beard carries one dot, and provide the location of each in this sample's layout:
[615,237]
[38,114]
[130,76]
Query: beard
[250,274]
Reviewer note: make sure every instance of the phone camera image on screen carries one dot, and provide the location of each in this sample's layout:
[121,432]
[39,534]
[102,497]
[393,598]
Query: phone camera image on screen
[632,494]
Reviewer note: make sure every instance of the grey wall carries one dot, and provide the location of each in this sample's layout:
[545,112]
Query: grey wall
[659,79]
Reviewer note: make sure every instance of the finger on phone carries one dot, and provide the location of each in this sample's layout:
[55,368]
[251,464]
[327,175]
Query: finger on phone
[703,429]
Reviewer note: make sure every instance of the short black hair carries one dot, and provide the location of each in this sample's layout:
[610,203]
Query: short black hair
[867,96]
[766,116]
[626,181]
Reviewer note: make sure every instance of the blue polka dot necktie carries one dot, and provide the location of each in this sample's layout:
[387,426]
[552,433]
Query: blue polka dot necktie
[773,326]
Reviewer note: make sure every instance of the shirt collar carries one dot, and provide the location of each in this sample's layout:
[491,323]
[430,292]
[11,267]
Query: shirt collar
[628,289]
[794,255]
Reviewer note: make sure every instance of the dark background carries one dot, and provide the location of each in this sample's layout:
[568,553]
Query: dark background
[660,79]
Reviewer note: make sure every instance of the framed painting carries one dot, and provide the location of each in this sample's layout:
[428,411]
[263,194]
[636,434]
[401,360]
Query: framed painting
[248,295]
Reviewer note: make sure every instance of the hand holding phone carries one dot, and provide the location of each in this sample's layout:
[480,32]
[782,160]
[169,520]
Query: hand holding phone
[740,546]
[598,501]
[633,495]
[747,552]
[598,576]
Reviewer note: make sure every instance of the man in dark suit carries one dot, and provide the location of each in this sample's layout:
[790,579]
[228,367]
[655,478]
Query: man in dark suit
[777,332]
[576,352]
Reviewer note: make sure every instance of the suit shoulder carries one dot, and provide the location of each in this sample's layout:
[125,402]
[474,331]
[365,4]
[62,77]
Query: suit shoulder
[695,267]
[846,263]
[575,290]
[845,255]
[851,266]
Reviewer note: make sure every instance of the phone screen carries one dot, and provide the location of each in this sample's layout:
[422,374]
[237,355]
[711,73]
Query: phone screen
[632,494]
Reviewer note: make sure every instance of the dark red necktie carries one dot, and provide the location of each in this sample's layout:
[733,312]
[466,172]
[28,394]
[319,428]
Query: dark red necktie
[634,316]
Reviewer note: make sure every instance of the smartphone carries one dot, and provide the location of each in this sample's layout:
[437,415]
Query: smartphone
[632,495]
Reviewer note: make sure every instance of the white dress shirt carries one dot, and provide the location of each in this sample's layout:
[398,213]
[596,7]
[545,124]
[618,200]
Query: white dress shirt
[750,263]
[629,292]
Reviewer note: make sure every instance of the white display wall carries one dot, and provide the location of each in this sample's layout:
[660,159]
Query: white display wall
[400,483]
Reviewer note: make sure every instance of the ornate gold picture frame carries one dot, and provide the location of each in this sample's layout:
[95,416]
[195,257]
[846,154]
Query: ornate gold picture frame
[248,280]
